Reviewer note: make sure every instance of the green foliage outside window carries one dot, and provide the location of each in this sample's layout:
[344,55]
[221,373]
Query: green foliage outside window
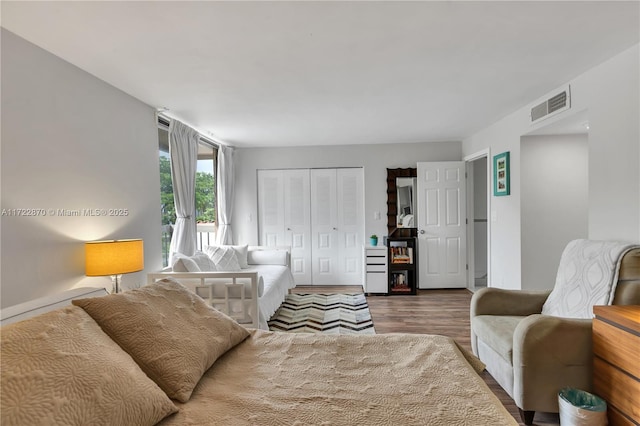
[166,192]
[205,198]
[205,195]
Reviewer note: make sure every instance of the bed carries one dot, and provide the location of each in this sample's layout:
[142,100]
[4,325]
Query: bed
[185,363]
[313,379]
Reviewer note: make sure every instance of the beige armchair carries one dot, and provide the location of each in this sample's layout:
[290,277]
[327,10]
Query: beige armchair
[531,355]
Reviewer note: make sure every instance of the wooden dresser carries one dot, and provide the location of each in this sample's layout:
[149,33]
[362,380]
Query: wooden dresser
[616,363]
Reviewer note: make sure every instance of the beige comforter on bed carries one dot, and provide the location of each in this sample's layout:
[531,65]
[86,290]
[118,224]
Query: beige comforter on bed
[313,379]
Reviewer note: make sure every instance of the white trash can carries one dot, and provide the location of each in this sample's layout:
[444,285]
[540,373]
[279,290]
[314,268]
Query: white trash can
[580,408]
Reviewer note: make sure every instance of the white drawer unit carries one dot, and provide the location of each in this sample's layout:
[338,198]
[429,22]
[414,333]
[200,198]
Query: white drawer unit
[375,260]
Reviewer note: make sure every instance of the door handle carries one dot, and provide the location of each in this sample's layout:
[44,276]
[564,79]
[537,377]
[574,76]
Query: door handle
[422,231]
[288,229]
[335,229]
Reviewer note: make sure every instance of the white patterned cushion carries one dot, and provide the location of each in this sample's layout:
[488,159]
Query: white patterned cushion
[200,261]
[182,263]
[241,253]
[224,257]
[587,276]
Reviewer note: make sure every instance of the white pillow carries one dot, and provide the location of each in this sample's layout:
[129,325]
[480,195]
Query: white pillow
[267,257]
[241,253]
[199,262]
[182,263]
[224,257]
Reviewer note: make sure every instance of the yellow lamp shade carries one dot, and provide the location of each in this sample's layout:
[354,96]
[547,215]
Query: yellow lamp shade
[113,257]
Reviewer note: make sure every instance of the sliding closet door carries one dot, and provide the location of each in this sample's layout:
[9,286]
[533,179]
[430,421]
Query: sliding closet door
[319,213]
[271,208]
[350,220]
[284,217]
[337,222]
[297,223]
[324,227]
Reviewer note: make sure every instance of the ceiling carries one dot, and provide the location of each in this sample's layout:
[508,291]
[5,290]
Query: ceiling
[319,73]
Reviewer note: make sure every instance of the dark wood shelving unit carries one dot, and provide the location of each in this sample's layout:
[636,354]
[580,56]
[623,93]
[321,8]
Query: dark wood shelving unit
[402,261]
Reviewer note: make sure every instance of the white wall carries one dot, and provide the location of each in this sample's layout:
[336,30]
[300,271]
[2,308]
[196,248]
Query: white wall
[610,93]
[554,203]
[70,141]
[375,159]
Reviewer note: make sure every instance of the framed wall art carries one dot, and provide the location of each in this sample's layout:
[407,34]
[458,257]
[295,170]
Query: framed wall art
[501,174]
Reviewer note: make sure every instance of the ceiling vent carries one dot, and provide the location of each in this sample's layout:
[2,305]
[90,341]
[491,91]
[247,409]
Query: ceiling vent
[552,106]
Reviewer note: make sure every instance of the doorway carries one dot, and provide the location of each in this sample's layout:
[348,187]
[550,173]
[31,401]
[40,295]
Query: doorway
[554,196]
[478,225]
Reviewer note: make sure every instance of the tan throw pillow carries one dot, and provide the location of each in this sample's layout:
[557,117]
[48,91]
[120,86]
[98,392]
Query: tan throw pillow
[60,368]
[171,332]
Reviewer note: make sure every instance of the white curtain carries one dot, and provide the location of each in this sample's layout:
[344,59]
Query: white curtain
[225,194]
[183,149]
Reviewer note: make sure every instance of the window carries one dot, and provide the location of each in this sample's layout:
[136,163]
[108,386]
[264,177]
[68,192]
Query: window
[205,202]
[206,213]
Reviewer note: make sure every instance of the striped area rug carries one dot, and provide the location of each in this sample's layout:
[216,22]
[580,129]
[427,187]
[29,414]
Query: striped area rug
[323,313]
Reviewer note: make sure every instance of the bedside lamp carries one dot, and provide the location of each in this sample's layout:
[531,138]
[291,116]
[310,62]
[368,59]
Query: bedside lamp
[113,257]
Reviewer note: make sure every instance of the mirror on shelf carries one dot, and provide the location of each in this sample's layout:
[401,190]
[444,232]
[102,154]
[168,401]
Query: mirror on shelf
[405,202]
[401,204]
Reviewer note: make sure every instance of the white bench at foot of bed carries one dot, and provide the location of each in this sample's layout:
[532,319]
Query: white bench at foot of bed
[234,293]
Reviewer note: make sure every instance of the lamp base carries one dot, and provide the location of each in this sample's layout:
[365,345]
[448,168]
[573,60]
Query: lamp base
[115,281]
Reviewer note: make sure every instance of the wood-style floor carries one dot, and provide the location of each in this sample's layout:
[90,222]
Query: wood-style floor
[443,312]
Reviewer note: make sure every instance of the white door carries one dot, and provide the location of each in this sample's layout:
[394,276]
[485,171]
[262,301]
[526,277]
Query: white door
[271,208]
[350,220]
[297,223]
[324,227]
[442,225]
